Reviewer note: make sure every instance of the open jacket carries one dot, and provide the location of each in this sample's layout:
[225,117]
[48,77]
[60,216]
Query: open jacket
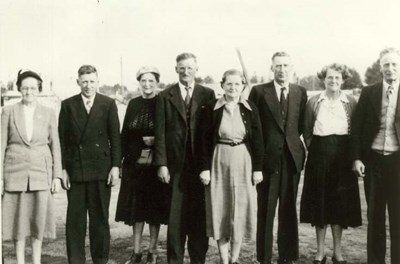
[29,165]
[210,121]
[311,113]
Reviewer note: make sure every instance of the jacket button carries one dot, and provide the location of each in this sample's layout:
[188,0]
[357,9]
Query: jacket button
[80,147]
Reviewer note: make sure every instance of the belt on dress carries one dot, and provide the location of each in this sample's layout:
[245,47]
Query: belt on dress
[231,143]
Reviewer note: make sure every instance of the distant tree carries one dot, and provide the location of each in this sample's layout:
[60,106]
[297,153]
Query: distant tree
[262,79]
[10,85]
[354,81]
[254,78]
[198,79]
[373,74]
[311,83]
[208,79]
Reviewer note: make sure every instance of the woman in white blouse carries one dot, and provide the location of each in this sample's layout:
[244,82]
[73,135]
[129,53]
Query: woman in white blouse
[330,193]
[31,169]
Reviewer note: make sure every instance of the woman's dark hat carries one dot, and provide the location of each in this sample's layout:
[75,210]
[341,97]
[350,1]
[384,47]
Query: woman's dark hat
[22,74]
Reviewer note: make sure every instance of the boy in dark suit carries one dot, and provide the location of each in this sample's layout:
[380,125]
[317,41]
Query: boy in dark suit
[91,157]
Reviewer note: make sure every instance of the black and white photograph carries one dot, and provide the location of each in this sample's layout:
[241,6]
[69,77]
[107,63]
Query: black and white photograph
[213,131]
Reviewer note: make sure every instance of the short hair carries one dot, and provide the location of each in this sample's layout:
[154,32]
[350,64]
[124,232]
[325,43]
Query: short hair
[343,69]
[233,72]
[86,69]
[387,51]
[156,76]
[184,56]
[280,54]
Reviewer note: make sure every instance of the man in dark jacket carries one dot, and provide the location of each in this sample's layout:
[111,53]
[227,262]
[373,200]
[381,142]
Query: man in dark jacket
[281,106]
[91,157]
[176,127]
[376,155]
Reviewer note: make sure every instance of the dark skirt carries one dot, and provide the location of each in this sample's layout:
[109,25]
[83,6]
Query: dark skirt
[142,196]
[330,192]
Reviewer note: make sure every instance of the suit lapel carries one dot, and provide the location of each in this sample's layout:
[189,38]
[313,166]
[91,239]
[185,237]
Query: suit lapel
[177,101]
[376,99]
[19,119]
[293,101]
[271,99]
[197,97]
[79,113]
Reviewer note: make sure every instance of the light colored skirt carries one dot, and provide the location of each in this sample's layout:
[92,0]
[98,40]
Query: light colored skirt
[231,208]
[29,213]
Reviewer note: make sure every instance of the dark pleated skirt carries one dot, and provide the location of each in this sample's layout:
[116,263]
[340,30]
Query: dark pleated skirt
[330,192]
[142,197]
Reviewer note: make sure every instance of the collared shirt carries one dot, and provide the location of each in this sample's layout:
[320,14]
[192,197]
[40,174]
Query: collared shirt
[223,102]
[183,89]
[332,118]
[386,141]
[278,88]
[85,100]
[29,112]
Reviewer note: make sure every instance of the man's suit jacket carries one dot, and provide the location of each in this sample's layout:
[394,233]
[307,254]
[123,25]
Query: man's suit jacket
[275,135]
[90,144]
[36,162]
[171,125]
[367,121]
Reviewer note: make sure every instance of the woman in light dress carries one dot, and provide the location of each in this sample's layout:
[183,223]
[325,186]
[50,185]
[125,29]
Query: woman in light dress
[231,155]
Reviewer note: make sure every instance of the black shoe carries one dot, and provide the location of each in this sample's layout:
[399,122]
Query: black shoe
[151,258]
[135,258]
[322,261]
[286,261]
[335,261]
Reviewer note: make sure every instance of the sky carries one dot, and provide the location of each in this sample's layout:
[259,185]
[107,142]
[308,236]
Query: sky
[55,38]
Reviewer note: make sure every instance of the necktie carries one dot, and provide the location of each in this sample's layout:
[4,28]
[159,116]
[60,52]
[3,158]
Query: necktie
[88,106]
[187,98]
[283,100]
[389,92]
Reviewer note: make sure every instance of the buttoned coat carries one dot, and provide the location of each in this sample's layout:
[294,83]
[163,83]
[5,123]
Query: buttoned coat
[265,98]
[90,143]
[29,165]
[171,125]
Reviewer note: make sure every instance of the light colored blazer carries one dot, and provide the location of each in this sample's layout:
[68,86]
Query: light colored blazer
[29,165]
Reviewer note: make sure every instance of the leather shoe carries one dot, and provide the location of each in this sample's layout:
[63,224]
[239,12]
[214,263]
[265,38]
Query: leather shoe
[286,261]
[335,261]
[322,261]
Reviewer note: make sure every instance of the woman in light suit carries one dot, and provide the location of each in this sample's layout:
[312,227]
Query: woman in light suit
[31,168]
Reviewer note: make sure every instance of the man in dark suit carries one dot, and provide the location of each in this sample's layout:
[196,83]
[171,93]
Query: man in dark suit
[91,157]
[176,127]
[376,154]
[281,106]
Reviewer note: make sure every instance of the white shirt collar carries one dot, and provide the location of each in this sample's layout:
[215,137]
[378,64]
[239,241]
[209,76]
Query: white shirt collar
[395,85]
[278,89]
[85,99]
[183,90]
[222,102]
[342,97]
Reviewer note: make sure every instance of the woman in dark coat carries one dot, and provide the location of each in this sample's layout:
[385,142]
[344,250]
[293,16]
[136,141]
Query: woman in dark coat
[330,193]
[231,154]
[142,197]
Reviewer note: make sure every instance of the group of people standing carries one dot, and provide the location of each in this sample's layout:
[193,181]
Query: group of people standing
[207,167]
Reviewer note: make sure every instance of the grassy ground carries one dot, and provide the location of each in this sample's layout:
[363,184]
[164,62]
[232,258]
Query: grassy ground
[54,251]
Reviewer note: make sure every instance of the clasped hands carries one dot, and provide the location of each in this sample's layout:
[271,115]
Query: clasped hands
[205,177]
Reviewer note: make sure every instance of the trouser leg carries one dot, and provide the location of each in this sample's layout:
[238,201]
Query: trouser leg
[98,197]
[288,241]
[76,223]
